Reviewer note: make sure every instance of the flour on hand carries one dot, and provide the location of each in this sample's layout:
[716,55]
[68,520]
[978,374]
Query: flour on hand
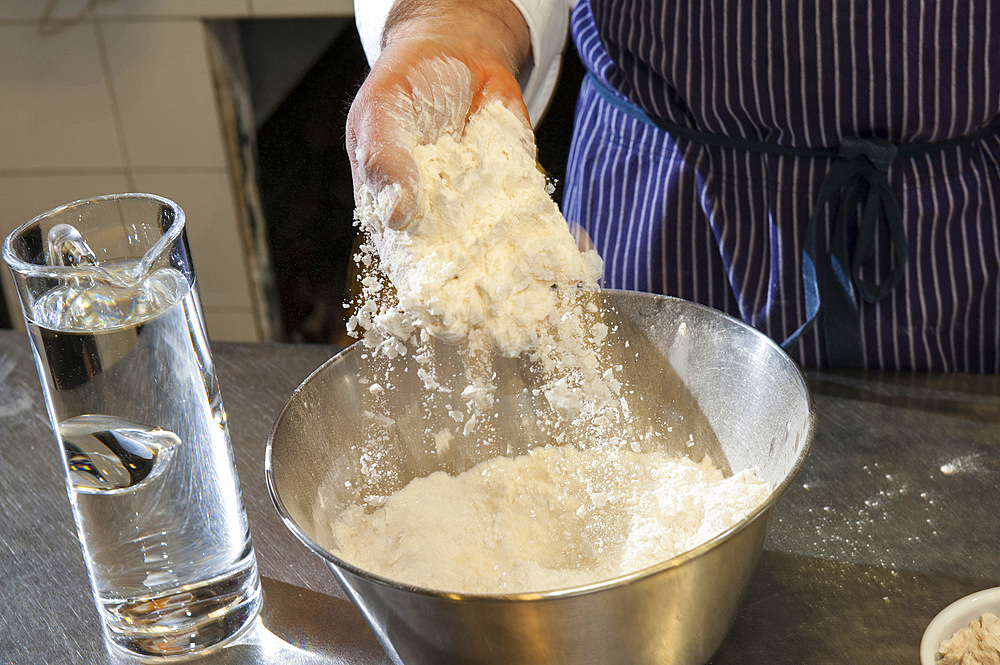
[487,260]
[487,251]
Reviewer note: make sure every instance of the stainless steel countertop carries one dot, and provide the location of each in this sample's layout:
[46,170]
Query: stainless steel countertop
[895,515]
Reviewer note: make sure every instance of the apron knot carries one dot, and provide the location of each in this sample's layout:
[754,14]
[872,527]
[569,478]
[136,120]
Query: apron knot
[862,172]
[879,152]
[859,173]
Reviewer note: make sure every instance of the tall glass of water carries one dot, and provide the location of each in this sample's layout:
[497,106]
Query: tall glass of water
[109,298]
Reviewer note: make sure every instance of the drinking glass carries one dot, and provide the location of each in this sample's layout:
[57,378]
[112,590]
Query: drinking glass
[109,298]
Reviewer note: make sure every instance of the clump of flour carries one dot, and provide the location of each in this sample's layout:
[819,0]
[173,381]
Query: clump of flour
[553,518]
[487,260]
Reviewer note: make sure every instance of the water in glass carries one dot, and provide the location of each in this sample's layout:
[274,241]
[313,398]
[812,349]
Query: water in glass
[132,391]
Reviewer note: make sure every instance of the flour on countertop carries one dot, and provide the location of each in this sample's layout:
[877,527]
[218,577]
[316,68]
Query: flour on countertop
[553,518]
[962,464]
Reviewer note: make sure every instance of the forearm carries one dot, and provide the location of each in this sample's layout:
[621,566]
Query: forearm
[494,28]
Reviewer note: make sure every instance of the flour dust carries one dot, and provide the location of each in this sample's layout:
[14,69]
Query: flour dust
[485,315]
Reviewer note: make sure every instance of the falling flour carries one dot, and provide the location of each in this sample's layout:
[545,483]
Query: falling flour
[488,263]
[553,518]
[487,260]
[486,251]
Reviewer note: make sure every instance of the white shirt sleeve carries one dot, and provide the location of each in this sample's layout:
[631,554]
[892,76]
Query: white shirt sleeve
[548,23]
[369,16]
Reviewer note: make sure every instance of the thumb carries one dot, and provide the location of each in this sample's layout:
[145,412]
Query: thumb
[382,162]
[391,175]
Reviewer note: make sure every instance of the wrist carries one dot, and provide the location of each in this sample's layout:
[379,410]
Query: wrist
[492,29]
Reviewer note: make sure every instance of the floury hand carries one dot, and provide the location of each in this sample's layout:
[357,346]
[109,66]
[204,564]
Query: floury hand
[436,69]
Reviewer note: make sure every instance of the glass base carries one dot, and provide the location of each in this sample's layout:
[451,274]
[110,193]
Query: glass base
[187,621]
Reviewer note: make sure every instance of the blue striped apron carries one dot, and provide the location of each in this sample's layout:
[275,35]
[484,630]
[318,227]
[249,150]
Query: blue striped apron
[730,227]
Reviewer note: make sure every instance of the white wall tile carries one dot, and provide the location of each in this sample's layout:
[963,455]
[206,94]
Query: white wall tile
[303,7]
[230,326]
[49,12]
[212,231]
[55,112]
[173,8]
[23,197]
[163,87]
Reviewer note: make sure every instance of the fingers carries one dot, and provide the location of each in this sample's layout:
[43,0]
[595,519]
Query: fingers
[583,240]
[499,84]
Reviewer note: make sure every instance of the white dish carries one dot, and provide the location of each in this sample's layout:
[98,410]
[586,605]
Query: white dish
[957,615]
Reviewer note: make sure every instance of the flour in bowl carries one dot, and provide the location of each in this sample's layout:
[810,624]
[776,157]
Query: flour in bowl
[554,518]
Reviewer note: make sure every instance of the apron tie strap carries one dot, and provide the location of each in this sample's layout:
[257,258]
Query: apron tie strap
[860,174]
[872,158]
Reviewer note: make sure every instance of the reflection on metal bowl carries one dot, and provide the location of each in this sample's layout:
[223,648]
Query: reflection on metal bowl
[724,384]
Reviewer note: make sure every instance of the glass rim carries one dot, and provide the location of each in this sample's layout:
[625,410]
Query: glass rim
[20,266]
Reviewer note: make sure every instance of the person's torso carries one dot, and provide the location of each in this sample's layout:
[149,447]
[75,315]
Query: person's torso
[800,72]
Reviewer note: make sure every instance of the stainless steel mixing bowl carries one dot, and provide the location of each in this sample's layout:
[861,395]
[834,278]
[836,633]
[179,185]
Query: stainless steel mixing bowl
[714,379]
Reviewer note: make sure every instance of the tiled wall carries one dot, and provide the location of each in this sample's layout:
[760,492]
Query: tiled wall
[106,96]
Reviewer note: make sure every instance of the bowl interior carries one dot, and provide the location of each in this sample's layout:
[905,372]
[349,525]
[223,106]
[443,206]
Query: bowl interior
[359,426]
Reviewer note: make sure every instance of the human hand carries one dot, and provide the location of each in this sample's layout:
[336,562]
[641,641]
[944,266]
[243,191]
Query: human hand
[435,70]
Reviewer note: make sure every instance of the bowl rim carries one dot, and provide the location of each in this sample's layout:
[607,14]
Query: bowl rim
[550,594]
[955,616]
